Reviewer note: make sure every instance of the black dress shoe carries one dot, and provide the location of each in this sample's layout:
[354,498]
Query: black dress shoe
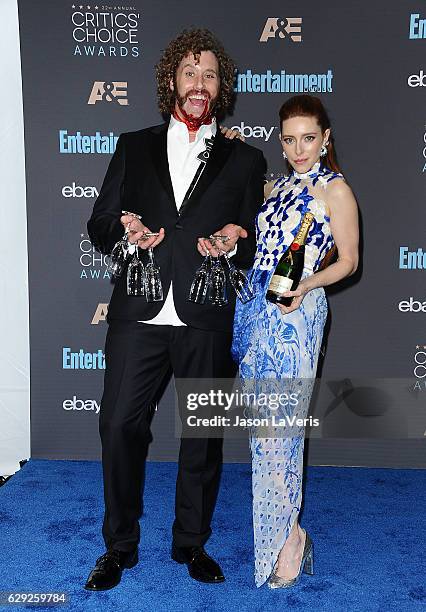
[108,569]
[201,567]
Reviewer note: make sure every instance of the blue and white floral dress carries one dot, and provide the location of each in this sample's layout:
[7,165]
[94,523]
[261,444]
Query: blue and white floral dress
[272,348]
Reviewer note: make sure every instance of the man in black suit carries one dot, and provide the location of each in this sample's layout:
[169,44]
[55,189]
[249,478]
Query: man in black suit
[186,181]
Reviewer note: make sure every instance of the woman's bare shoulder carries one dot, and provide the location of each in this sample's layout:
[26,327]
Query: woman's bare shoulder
[338,187]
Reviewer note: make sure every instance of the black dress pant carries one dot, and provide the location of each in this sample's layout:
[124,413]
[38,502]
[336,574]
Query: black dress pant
[139,360]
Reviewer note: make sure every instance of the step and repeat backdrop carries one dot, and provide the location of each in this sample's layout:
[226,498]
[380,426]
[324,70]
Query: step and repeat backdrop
[88,75]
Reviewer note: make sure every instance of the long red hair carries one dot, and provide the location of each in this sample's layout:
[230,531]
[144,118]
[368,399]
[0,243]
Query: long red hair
[306,105]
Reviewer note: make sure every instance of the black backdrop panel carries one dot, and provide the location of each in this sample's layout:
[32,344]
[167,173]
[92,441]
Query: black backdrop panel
[73,55]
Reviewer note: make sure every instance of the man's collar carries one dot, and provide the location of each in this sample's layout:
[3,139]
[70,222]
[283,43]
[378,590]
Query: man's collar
[180,127]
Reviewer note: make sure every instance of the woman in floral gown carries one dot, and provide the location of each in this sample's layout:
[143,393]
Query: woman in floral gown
[279,345]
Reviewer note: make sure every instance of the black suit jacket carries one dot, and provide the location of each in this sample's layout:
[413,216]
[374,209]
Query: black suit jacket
[230,190]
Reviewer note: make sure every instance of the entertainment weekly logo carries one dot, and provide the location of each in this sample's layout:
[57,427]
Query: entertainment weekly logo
[412,260]
[417,28]
[93,265]
[283,82]
[87,144]
[105,31]
[79,359]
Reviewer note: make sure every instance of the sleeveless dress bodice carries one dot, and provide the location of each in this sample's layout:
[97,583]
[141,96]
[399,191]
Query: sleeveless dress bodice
[281,214]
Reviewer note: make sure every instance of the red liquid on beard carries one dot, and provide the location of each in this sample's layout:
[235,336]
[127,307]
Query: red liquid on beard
[194,123]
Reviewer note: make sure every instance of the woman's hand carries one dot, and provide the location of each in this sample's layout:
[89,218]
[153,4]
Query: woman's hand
[297,296]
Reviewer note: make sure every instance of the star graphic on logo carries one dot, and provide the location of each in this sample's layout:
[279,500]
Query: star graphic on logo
[73,6]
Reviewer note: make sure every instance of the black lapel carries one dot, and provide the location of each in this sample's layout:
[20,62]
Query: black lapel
[159,156]
[220,152]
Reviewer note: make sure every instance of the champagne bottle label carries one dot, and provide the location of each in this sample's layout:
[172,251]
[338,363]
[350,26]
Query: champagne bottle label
[280,284]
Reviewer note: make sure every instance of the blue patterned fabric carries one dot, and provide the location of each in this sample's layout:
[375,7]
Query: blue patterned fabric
[270,346]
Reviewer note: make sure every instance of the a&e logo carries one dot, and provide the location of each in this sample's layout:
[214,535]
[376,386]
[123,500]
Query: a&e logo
[113,91]
[100,314]
[282,27]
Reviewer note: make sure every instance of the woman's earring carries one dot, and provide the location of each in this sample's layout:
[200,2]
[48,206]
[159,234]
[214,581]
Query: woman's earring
[324,150]
[284,155]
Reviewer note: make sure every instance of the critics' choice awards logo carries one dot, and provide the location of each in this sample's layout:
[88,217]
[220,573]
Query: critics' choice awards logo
[417,28]
[105,31]
[419,368]
[93,265]
[282,27]
[113,91]
[100,314]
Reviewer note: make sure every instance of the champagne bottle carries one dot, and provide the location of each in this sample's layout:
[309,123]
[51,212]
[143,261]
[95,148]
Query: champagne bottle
[289,270]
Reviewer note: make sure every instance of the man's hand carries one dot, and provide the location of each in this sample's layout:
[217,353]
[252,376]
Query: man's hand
[137,231]
[231,134]
[233,231]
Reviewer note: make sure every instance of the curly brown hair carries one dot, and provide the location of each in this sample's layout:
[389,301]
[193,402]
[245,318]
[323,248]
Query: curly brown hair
[194,41]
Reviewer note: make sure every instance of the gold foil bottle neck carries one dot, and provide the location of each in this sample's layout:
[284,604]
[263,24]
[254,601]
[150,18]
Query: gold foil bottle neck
[304,228]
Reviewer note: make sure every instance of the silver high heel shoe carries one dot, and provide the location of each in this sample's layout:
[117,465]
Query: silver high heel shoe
[306,565]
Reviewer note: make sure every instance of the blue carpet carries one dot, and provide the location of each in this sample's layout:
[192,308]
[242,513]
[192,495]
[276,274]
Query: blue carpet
[368,527]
